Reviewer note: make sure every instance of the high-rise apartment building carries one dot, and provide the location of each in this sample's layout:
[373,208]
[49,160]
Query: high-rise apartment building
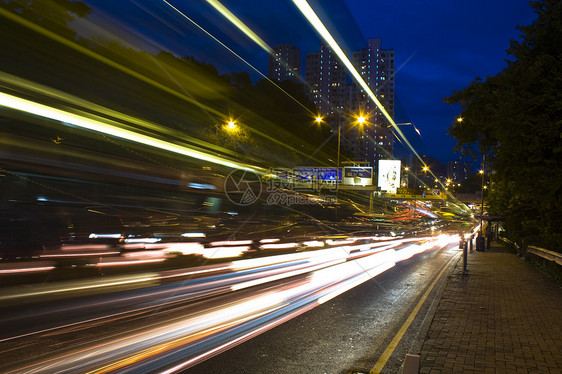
[376,66]
[459,171]
[341,101]
[284,63]
[326,78]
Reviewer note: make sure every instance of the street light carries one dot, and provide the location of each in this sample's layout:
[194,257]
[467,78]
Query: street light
[480,244]
[231,125]
[318,119]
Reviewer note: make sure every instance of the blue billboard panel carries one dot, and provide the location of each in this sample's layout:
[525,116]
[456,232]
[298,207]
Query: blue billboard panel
[358,172]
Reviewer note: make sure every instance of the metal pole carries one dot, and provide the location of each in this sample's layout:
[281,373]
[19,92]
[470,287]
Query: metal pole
[339,142]
[464,256]
[482,207]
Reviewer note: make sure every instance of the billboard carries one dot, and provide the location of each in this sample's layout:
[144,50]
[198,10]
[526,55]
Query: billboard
[389,175]
[317,173]
[358,176]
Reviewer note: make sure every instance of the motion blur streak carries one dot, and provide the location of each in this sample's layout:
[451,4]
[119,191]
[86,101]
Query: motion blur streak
[240,25]
[196,318]
[41,90]
[246,30]
[27,106]
[26,270]
[109,62]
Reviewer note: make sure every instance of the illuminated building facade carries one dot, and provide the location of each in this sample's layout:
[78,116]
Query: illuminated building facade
[285,63]
[341,101]
[458,171]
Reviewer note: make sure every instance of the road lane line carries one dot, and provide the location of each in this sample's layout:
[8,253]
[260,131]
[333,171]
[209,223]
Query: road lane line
[394,343]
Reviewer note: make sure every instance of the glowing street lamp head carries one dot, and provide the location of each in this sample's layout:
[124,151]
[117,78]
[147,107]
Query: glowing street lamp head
[481,171]
[459,119]
[318,119]
[361,120]
[231,125]
[425,168]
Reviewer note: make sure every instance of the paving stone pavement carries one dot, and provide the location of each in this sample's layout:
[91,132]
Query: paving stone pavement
[505,316]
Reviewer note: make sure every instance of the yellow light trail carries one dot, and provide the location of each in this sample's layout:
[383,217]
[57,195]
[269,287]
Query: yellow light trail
[246,30]
[44,111]
[68,98]
[77,47]
[241,25]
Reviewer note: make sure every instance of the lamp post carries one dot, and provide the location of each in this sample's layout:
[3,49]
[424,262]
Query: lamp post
[480,243]
[361,120]
[482,172]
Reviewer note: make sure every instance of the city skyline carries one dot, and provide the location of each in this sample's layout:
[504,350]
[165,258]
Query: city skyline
[339,100]
[439,47]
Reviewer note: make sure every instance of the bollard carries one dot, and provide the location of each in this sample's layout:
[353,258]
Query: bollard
[411,364]
[464,258]
[480,244]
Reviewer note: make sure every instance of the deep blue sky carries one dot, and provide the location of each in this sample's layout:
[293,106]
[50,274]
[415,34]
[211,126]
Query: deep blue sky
[440,45]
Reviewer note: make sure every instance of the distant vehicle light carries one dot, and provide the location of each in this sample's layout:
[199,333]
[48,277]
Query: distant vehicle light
[201,186]
[142,240]
[193,235]
[104,236]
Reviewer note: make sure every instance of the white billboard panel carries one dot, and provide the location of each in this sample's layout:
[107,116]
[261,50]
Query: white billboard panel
[389,175]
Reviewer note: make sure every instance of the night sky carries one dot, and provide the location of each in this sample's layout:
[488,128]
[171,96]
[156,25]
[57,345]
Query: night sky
[440,45]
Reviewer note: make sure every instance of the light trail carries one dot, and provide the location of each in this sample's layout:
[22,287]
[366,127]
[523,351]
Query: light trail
[240,25]
[109,62]
[246,30]
[22,84]
[251,297]
[100,126]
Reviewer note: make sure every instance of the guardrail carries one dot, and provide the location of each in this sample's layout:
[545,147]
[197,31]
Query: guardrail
[546,254]
[538,251]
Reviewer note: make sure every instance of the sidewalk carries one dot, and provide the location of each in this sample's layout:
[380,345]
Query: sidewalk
[503,317]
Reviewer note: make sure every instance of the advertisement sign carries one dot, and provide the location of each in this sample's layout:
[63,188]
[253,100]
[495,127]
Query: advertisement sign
[314,173]
[328,174]
[358,176]
[389,175]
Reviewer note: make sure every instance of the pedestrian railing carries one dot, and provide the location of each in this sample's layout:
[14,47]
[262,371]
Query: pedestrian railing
[546,254]
[538,251]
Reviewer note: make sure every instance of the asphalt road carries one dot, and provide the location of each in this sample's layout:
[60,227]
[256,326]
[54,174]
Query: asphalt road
[349,333]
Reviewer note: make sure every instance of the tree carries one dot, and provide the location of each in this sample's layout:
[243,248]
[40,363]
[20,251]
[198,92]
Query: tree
[515,120]
[54,15]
